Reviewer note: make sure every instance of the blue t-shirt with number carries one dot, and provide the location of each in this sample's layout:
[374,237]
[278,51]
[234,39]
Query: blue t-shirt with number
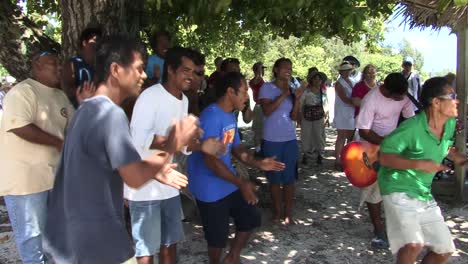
[204,184]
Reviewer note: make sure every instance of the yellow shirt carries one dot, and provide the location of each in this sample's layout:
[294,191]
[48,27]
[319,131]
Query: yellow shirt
[26,167]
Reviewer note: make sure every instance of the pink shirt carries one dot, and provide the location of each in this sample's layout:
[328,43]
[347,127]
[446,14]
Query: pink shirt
[380,114]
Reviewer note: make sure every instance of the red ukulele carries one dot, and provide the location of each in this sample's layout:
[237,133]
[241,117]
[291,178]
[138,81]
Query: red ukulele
[360,163]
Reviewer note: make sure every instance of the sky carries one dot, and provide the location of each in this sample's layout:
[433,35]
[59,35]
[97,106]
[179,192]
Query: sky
[438,47]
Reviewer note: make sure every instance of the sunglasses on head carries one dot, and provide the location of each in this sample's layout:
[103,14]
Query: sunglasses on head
[45,53]
[450,96]
[42,54]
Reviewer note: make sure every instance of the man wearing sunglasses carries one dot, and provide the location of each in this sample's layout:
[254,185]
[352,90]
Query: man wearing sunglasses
[410,157]
[36,114]
[196,85]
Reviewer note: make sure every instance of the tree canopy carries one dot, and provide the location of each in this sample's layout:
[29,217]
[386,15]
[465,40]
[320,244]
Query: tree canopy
[213,26]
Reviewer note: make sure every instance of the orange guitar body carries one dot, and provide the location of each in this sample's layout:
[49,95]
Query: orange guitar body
[359,160]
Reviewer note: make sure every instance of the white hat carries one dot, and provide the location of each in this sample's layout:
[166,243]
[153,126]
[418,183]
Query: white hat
[408,59]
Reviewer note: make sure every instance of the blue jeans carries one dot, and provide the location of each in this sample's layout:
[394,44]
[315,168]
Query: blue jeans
[27,215]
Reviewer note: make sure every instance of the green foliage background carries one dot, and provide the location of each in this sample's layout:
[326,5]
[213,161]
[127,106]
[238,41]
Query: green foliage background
[307,32]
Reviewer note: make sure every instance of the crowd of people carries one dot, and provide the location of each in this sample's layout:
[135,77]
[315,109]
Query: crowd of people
[111,129]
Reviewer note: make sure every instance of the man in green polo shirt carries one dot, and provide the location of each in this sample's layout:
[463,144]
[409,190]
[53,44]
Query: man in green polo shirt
[409,157]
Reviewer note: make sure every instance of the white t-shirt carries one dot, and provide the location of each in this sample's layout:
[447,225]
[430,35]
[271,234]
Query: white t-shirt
[413,85]
[154,113]
[380,114]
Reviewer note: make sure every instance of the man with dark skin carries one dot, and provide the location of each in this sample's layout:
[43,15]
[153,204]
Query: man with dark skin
[195,86]
[30,151]
[220,193]
[233,65]
[215,75]
[78,71]
[85,222]
[378,117]
[155,209]
[155,65]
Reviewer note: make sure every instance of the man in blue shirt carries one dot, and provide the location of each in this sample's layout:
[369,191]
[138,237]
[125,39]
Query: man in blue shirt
[155,65]
[78,71]
[219,192]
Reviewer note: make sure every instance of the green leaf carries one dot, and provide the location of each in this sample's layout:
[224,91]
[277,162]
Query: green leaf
[442,5]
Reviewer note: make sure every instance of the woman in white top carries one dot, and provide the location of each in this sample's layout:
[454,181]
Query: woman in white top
[344,110]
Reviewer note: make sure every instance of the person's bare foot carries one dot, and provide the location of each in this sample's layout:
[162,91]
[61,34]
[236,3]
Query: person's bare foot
[231,259]
[338,167]
[276,220]
[288,220]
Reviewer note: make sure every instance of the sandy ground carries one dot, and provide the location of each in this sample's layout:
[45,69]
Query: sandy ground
[330,227]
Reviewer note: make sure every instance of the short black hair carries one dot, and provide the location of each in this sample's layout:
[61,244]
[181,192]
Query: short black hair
[312,69]
[156,35]
[432,88]
[230,79]
[162,33]
[174,59]
[199,58]
[396,84]
[225,63]
[115,49]
[278,62]
[89,33]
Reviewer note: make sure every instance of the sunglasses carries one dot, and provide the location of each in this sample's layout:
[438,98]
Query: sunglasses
[451,96]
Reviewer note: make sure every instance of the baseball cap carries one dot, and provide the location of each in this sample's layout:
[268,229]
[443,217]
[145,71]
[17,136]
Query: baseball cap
[408,59]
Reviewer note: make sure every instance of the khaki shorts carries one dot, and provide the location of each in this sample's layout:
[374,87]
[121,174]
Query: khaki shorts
[370,194]
[409,220]
[131,261]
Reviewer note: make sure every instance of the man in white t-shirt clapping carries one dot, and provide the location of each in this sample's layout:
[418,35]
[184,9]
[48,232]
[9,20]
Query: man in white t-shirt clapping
[155,208]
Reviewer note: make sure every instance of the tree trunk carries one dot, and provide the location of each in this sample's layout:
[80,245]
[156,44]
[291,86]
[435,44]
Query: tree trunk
[113,16]
[19,38]
[462,81]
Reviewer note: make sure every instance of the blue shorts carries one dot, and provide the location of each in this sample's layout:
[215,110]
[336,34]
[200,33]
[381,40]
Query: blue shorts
[155,223]
[286,152]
